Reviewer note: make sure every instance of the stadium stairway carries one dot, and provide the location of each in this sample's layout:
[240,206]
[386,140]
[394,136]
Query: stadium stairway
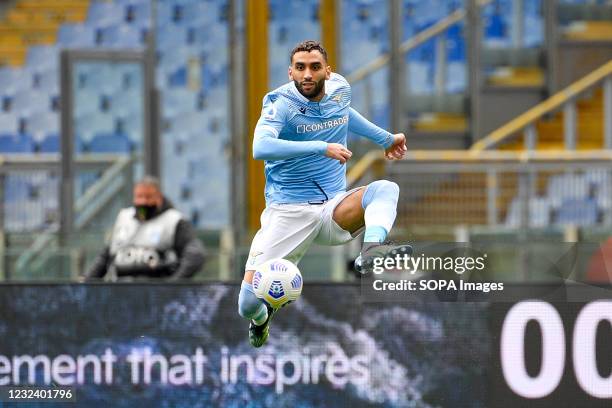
[589,134]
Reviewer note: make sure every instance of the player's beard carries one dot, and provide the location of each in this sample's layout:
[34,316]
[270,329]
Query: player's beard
[314,92]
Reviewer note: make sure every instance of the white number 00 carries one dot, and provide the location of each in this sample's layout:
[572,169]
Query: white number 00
[553,349]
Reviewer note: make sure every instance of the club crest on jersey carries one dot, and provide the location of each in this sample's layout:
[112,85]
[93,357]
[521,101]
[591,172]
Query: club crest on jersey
[337,98]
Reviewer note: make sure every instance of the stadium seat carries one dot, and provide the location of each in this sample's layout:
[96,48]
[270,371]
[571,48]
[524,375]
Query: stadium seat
[104,14]
[582,212]
[76,36]
[86,101]
[47,81]
[126,103]
[50,144]
[9,123]
[43,57]
[131,124]
[121,36]
[42,124]
[138,13]
[177,101]
[567,186]
[91,124]
[100,77]
[16,143]
[171,35]
[30,102]
[110,143]
[14,80]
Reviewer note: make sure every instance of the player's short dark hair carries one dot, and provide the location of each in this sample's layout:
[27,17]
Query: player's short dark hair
[308,45]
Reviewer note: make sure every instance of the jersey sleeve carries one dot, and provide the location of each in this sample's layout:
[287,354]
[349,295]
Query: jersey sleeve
[266,142]
[363,127]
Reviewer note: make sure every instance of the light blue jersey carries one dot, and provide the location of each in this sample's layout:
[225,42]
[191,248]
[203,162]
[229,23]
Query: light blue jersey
[292,136]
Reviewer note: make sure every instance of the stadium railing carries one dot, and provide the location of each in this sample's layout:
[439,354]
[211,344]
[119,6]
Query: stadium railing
[564,99]
[29,252]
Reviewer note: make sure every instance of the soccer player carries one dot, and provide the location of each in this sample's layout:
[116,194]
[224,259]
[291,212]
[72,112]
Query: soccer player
[302,136]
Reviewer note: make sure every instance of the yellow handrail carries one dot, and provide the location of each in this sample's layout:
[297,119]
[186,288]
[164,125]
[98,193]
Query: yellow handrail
[554,102]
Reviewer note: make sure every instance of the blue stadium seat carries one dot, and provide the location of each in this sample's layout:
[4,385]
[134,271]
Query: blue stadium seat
[171,35]
[87,126]
[127,102]
[76,36]
[138,13]
[131,124]
[43,57]
[105,14]
[29,102]
[121,36]
[100,77]
[110,143]
[16,143]
[177,101]
[9,123]
[188,122]
[567,186]
[14,80]
[40,125]
[50,144]
[86,101]
[200,13]
[47,81]
[582,212]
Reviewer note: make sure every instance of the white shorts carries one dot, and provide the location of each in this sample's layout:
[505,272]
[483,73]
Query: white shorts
[288,230]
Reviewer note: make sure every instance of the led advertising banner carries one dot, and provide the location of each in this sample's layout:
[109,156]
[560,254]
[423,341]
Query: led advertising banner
[186,346]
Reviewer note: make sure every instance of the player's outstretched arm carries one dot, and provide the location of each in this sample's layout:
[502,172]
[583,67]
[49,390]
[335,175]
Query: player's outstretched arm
[394,145]
[268,147]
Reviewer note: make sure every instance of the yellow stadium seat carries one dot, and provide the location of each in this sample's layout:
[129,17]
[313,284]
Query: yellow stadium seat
[12,55]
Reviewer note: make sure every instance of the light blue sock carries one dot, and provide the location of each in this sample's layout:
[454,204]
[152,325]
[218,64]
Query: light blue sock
[380,204]
[249,306]
[375,234]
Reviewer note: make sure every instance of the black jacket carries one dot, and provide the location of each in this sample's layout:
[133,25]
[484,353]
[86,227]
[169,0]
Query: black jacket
[188,248]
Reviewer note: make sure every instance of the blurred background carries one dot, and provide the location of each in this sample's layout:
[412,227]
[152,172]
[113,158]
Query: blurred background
[506,104]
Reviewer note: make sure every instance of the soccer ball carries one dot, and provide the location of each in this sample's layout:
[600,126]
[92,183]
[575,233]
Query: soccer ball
[277,282]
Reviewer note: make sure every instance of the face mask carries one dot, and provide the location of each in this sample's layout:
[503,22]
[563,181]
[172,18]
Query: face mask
[145,212]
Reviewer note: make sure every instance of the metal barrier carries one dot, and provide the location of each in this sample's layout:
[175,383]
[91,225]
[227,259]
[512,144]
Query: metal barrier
[31,215]
[500,189]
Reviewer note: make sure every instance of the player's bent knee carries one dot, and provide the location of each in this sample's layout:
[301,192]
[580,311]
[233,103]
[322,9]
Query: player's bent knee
[248,304]
[385,188]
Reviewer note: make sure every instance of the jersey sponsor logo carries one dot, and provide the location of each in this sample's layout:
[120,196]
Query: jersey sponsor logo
[323,125]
